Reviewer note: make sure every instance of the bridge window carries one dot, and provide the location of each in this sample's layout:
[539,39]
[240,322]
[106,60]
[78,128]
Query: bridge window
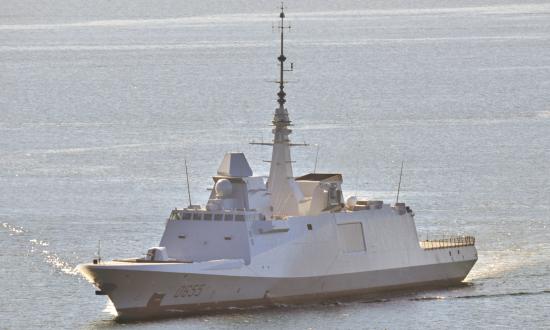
[218,217]
[197,216]
[207,216]
[229,217]
[186,216]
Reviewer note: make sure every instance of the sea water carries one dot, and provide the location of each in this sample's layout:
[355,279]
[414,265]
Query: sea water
[101,102]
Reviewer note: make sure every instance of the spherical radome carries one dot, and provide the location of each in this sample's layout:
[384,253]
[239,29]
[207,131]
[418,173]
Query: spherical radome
[351,201]
[223,188]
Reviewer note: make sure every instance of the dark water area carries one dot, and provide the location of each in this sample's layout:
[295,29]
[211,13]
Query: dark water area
[101,102]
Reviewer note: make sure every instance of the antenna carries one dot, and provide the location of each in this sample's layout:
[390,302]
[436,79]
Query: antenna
[282,59]
[316,158]
[99,251]
[187,178]
[399,186]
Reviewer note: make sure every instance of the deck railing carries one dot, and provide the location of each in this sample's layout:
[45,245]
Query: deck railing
[450,242]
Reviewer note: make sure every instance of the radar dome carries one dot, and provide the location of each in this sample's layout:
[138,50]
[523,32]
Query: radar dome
[223,188]
[351,202]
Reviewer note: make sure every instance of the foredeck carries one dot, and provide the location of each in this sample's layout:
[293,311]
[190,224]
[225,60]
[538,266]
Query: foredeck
[450,242]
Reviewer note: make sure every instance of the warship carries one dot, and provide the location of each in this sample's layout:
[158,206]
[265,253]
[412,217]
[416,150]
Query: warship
[282,239]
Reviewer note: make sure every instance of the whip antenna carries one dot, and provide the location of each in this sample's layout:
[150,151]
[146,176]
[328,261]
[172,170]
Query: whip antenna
[399,186]
[316,158]
[187,179]
[99,251]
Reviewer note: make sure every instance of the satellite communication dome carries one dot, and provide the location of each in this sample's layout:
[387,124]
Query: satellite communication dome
[351,201]
[223,188]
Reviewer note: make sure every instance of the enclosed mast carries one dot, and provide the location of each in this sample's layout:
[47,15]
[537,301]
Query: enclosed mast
[285,193]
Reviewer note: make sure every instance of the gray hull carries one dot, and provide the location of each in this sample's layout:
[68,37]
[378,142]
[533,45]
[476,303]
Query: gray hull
[145,294]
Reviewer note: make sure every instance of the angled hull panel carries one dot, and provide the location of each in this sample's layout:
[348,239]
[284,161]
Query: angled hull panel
[143,294]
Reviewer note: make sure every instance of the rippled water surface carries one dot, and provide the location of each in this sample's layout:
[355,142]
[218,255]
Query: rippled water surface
[100,103]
